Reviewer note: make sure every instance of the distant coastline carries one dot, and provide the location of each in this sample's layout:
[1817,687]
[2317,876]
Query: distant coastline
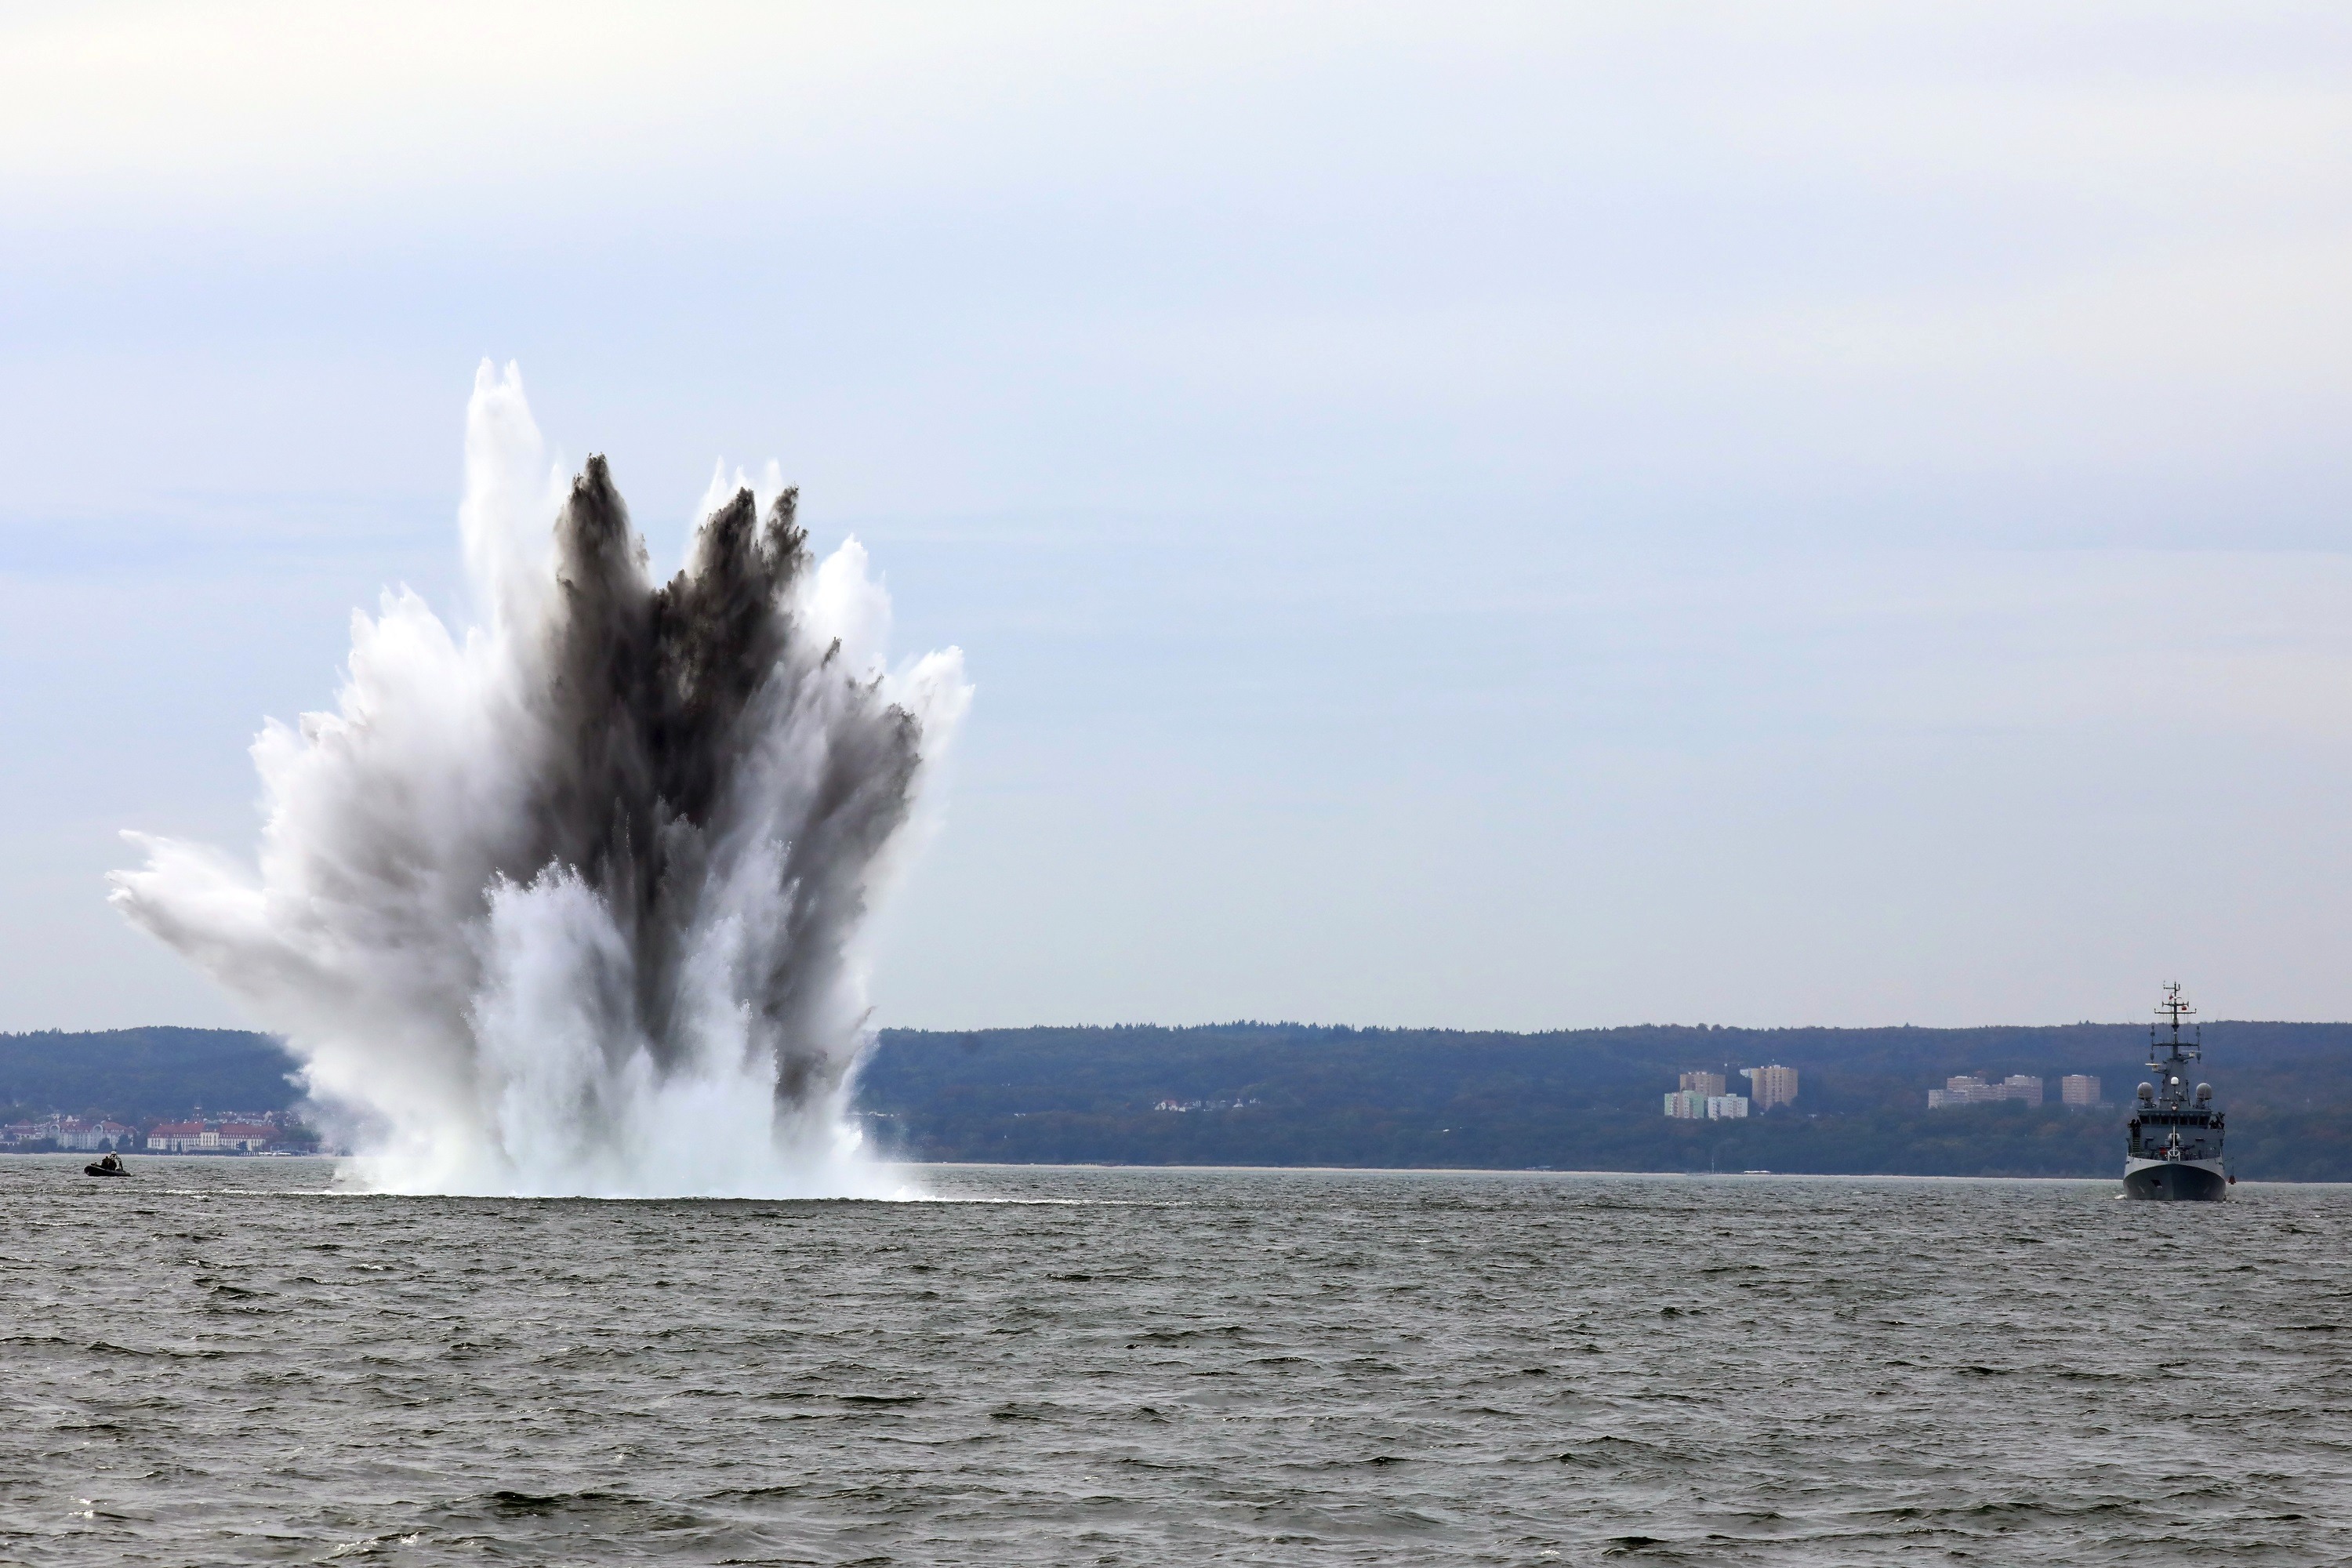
[1301,1097]
[1292,1095]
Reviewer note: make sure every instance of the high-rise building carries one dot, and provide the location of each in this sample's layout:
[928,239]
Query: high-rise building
[2078,1088]
[1685,1105]
[1725,1107]
[1708,1083]
[1771,1086]
[1966,1089]
[1971,1089]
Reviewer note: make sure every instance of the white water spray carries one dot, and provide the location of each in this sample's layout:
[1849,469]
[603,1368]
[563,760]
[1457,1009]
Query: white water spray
[570,905]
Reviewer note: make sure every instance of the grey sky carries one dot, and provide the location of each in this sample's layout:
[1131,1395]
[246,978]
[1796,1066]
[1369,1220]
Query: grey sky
[1518,515]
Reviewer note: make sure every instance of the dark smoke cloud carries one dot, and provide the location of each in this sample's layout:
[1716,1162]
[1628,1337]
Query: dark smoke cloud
[659,696]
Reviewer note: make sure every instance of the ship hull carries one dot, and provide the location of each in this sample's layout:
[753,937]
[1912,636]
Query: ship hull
[2176,1181]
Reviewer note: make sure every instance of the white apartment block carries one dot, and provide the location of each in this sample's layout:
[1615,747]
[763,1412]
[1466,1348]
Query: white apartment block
[1974,1089]
[1691,1104]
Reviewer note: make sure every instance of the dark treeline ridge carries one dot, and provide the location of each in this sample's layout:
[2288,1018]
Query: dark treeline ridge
[1581,1100]
[137,1075]
[1572,1100]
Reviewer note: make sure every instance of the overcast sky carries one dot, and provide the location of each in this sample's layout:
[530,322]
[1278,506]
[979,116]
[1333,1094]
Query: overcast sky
[1461,515]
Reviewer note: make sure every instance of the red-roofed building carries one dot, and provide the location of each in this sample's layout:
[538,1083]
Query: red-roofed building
[17,1133]
[180,1138]
[75,1134]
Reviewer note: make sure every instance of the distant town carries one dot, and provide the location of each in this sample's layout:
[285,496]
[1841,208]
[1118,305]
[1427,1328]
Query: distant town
[1702,1097]
[228,1133]
[2079,1089]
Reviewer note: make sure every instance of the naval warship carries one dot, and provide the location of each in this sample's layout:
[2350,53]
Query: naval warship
[2175,1152]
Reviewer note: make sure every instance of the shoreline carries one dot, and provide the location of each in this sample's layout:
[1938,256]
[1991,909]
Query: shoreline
[1495,1171]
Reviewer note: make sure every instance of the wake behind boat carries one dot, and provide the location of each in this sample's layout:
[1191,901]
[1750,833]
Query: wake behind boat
[2175,1152]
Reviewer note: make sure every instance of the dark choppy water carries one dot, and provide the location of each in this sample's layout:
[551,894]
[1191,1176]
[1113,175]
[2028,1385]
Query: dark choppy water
[208,1364]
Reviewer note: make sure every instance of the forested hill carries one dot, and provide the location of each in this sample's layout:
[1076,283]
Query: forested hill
[1580,1100]
[135,1075]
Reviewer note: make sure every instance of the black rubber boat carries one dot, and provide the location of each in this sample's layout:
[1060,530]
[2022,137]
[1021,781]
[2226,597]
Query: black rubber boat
[95,1169]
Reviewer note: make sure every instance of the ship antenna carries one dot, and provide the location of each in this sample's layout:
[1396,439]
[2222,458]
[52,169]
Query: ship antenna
[2174,1009]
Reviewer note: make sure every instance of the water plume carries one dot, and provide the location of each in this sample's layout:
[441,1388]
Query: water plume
[570,904]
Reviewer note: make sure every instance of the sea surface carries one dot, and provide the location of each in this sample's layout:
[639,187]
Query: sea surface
[219,1362]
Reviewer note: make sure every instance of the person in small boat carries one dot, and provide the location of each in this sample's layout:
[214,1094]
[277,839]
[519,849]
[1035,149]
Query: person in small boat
[111,1162]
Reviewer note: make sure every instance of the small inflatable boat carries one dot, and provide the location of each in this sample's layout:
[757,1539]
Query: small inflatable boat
[95,1169]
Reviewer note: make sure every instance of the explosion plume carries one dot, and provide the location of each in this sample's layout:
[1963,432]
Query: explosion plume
[570,904]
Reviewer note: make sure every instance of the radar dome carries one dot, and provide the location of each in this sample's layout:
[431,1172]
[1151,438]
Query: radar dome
[2204,1092]
[2147,1091]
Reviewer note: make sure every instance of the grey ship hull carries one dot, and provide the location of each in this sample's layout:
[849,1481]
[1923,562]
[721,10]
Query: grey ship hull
[2176,1181]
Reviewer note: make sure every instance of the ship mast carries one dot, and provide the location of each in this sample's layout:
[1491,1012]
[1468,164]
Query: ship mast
[2172,1009]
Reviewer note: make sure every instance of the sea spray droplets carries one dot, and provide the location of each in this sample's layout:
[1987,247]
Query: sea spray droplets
[570,904]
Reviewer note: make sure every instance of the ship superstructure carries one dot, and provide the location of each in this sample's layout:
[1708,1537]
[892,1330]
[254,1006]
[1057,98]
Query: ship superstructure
[2175,1152]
